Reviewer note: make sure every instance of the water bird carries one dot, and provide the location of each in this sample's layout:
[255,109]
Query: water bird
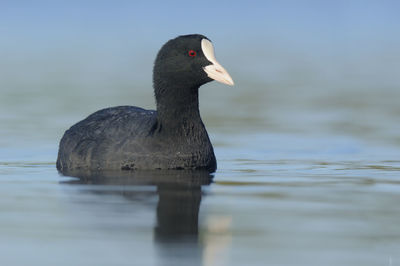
[171,137]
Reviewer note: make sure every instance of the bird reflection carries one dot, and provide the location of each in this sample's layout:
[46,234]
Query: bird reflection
[179,192]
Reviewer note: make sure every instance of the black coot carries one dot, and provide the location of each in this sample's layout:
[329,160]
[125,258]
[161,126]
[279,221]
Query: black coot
[173,137]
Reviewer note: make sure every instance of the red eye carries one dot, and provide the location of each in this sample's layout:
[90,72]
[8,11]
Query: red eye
[192,53]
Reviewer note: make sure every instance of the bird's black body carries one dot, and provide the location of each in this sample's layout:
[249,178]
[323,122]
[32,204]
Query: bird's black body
[128,137]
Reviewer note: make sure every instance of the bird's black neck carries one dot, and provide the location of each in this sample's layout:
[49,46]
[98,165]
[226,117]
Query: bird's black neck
[178,106]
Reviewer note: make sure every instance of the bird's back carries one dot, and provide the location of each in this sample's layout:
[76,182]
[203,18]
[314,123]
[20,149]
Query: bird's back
[98,141]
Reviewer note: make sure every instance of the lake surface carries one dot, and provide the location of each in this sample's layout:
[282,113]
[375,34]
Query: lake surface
[290,189]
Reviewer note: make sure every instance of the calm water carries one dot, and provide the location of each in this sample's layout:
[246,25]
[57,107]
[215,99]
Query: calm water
[312,186]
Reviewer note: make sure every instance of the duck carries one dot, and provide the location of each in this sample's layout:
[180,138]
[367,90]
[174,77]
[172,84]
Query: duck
[171,137]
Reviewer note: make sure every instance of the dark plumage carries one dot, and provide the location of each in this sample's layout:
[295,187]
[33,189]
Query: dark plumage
[173,137]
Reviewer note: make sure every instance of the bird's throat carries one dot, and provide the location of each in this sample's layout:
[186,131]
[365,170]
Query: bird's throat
[176,106]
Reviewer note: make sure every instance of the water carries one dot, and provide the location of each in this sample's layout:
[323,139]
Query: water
[307,141]
[278,199]
[303,179]
[308,178]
